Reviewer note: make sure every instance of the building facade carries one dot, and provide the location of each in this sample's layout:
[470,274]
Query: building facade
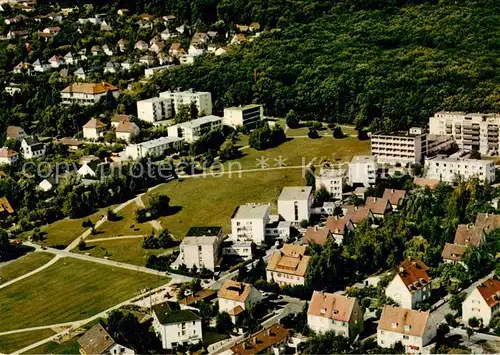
[450,169]
[87,93]
[288,266]
[363,170]
[192,130]
[153,148]
[249,221]
[201,247]
[236,297]
[154,109]
[483,302]
[294,203]
[202,100]
[333,180]
[402,149]
[244,116]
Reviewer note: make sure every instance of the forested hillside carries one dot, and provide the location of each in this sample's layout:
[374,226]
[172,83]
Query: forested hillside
[349,61]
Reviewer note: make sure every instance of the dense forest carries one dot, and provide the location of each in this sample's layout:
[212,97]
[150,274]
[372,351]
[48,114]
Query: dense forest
[344,61]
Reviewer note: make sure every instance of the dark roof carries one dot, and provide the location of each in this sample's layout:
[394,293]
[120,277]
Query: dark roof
[34,143]
[96,340]
[170,312]
[202,295]
[204,231]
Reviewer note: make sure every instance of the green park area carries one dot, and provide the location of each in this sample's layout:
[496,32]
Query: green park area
[23,265]
[12,342]
[69,290]
[128,250]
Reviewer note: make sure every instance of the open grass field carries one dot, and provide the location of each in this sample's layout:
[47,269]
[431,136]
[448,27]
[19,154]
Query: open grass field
[299,151]
[70,346]
[210,201]
[12,342]
[124,250]
[23,265]
[69,290]
[127,225]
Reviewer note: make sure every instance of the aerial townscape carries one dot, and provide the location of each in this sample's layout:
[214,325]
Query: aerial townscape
[264,177]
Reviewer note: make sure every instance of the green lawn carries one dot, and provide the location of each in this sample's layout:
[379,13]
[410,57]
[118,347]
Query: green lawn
[23,265]
[299,151]
[124,250]
[69,290]
[127,225]
[17,341]
[209,201]
[70,346]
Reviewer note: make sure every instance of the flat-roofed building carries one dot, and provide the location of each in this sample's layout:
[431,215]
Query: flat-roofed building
[451,169]
[363,170]
[294,203]
[249,221]
[194,129]
[244,116]
[333,180]
[401,148]
[154,109]
[202,100]
[153,148]
[201,247]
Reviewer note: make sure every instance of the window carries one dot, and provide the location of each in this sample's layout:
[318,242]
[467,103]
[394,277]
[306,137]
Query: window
[406,337]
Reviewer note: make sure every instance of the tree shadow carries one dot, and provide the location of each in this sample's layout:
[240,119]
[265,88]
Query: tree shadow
[173,210]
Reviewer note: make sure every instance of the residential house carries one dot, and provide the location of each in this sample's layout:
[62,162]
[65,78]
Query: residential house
[154,148]
[149,72]
[332,180]
[487,221]
[126,65]
[453,253]
[201,248]
[31,147]
[123,12]
[52,30]
[80,74]
[72,144]
[202,100]
[222,51]
[176,49]
[483,302]
[166,35]
[334,229]
[93,129]
[396,197]
[117,119]
[271,340]
[168,18]
[106,27]
[200,38]
[449,169]
[411,284]
[236,297]
[288,266]
[358,214]
[212,34]
[7,156]
[126,131]
[254,26]
[98,341]
[47,184]
[111,67]
[240,249]
[176,326]
[192,130]
[22,67]
[238,39]
[83,54]
[16,34]
[96,50]
[401,148]
[242,28]
[70,59]
[244,116]
[147,60]
[155,109]
[378,206]
[39,67]
[55,61]
[94,168]
[181,29]
[15,132]
[363,170]
[141,45]
[249,221]
[157,46]
[413,329]
[107,50]
[294,203]
[123,44]
[87,93]
[336,313]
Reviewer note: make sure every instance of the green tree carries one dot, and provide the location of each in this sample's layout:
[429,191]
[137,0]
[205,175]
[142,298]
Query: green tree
[223,322]
[183,114]
[292,120]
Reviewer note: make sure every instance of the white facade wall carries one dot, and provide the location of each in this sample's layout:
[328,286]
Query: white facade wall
[226,304]
[475,306]
[324,324]
[282,278]
[199,255]
[154,109]
[243,116]
[81,98]
[363,170]
[295,211]
[28,153]
[120,349]
[203,100]
[253,229]
[399,149]
[174,334]
[333,183]
[92,133]
[387,339]
[153,148]
[192,130]
[448,169]
[398,291]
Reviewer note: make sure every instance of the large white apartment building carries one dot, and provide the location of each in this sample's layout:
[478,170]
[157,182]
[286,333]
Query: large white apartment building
[404,149]
[294,203]
[245,116]
[469,130]
[414,329]
[153,148]
[201,247]
[332,312]
[154,109]
[363,170]
[203,100]
[448,169]
[249,221]
[483,302]
[87,93]
[333,180]
[194,129]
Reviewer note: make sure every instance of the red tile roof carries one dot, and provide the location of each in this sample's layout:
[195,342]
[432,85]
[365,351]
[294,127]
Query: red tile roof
[490,290]
[468,235]
[414,274]
[403,320]
[395,197]
[332,306]
[453,251]
[378,205]
[262,340]
[333,225]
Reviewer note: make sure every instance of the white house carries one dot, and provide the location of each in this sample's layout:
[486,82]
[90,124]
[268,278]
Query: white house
[363,170]
[175,326]
[87,93]
[154,109]
[483,302]
[39,67]
[242,249]
[149,72]
[249,221]
[411,284]
[333,180]
[294,203]
[333,312]
[126,131]
[153,148]
[80,74]
[47,184]
[98,341]
[55,61]
[236,297]
[7,156]
[449,169]
[288,266]
[70,59]
[244,116]
[202,100]
[147,60]
[93,168]
[31,148]
[192,130]
[201,247]
[141,45]
[414,329]
[93,129]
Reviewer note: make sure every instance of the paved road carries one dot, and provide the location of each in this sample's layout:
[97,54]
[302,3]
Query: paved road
[44,266]
[476,336]
[116,238]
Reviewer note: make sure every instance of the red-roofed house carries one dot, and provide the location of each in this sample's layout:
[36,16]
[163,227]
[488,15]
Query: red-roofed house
[395,197]
[334,229]
[483,302]
[93,129]
[7,156]
[337,313]
[378,206]
[411,284]
[235,297]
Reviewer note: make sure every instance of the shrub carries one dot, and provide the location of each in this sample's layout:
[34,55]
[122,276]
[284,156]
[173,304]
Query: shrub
[473,322]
